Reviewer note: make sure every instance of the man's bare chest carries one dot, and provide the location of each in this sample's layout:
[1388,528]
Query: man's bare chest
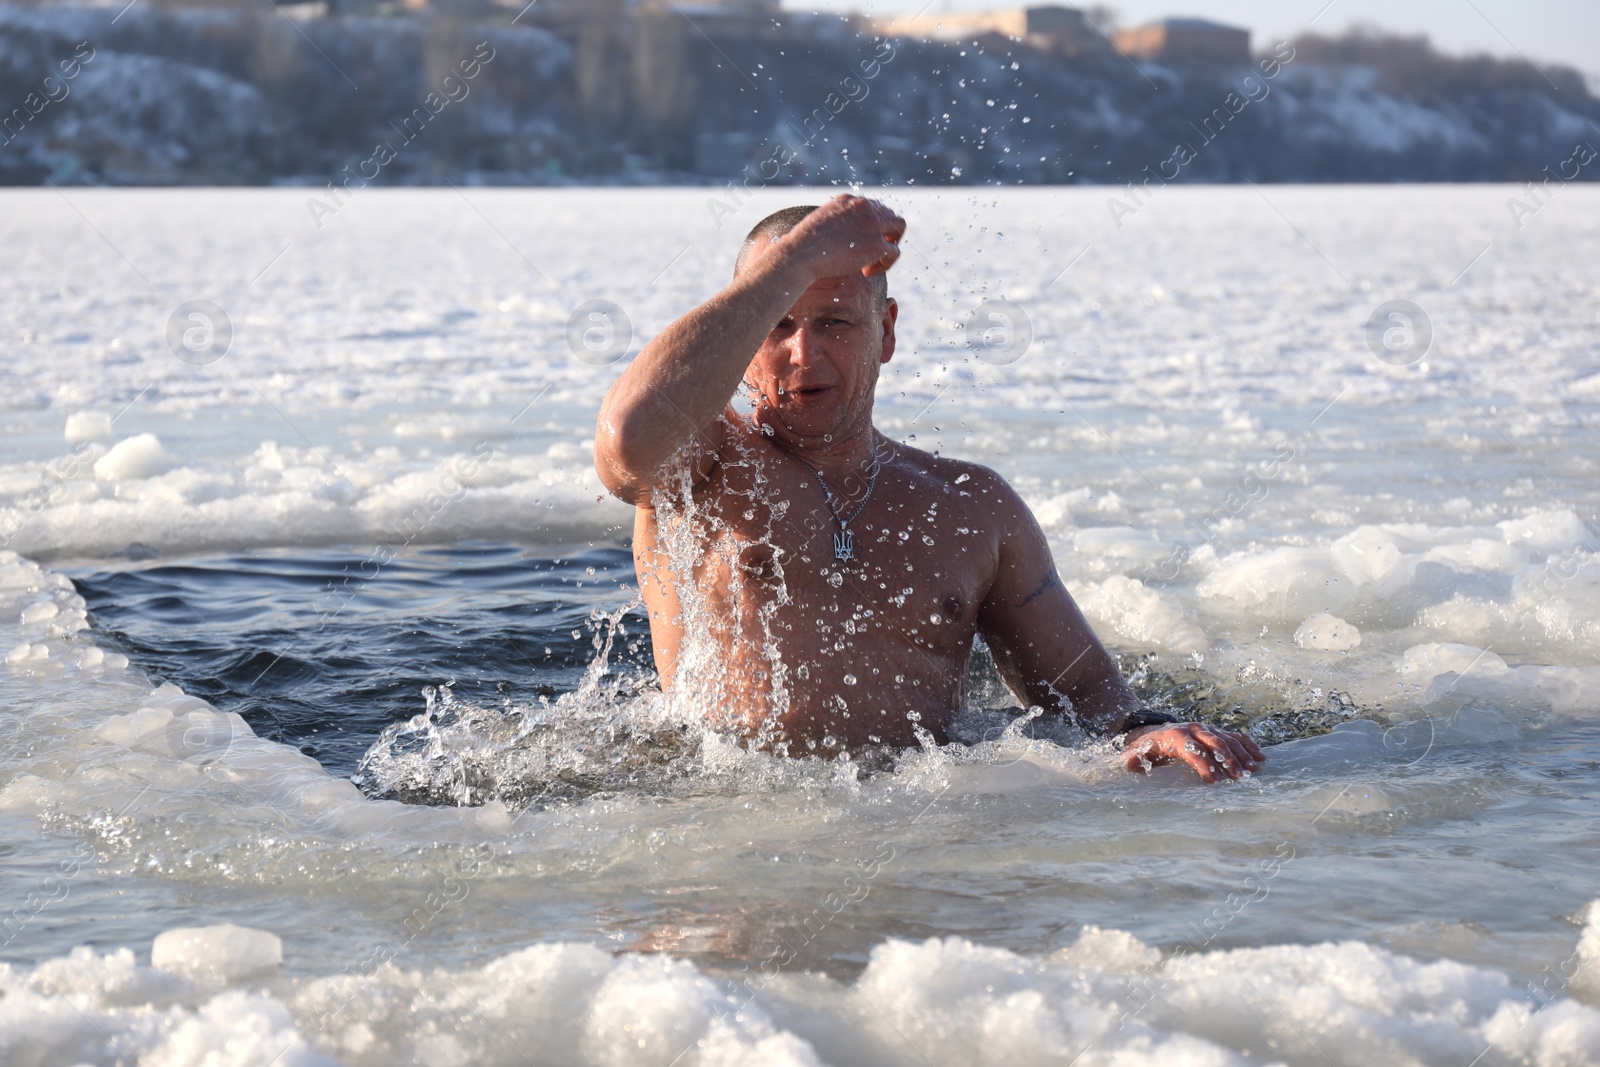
[919,565]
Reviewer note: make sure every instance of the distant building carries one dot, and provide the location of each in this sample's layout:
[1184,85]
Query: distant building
[564,13]
[1048,26]
[1186,40]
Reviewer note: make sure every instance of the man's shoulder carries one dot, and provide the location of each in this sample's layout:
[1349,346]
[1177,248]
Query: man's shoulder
[960,476]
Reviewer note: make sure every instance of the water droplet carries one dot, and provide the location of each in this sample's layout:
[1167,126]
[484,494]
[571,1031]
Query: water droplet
[849,679]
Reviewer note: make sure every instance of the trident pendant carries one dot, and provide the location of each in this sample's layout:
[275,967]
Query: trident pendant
[844,546]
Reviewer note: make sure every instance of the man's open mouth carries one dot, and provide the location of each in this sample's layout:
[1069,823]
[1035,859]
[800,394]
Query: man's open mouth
[810,390]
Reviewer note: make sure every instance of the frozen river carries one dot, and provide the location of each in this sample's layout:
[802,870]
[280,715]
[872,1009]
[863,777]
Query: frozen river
[1321,460]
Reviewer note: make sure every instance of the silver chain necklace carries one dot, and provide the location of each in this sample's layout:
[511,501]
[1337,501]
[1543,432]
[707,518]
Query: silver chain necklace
[844,543]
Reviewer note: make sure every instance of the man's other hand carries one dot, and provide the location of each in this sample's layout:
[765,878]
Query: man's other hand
[849,234]
[1213,753]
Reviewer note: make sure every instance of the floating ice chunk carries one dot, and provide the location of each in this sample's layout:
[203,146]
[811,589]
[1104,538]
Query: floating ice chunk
[1138,615]
[1480,554]
[1119,549]
[1283,583]
[1110,504]
[1586,983]
[236,1028]
[1421,664]
[493,817]
[1552,610]
[651,1008]
[1113,951]
[726,1045]
[566,450]
[88,426]
[43,611]
[224,953]
[1458,674]
[130,730]
[17,575]
[1327,633]
[1561,1034]
[1548,531]
[183,728]
[1367,554]
[140,456]
[1057,511]
[268,457]
[28,653]
[115,976]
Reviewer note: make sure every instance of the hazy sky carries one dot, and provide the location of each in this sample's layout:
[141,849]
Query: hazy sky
[1560,31]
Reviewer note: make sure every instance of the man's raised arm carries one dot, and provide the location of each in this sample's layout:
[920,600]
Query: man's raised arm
[682,381]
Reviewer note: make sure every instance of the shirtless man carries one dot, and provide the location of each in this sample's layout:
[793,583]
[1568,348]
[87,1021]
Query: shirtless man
[841,576]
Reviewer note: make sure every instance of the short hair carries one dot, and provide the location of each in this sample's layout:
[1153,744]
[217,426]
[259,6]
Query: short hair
[781,222]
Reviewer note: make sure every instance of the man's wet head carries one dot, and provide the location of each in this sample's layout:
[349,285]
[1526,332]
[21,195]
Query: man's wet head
[815,375]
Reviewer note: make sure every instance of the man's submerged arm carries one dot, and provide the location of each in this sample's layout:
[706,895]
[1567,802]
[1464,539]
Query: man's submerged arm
[1044,647]
[1046,651]
[681,383]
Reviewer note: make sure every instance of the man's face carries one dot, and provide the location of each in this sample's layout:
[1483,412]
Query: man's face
[816,373]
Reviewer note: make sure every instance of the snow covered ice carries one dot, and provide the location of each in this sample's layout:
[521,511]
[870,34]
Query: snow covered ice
[1396,555]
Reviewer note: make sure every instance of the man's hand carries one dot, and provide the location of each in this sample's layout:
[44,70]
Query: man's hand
[1214,754]
[848,234]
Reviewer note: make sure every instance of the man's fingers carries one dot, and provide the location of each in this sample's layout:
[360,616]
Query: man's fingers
[883,263]
[857,220]
[1201,760]
[1240,753]
[1233,752]
[1213,754]
[896,228]
[1221,752]
[1250,746]
[1216,746]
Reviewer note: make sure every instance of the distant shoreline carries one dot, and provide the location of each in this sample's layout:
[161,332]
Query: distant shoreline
[185,97]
